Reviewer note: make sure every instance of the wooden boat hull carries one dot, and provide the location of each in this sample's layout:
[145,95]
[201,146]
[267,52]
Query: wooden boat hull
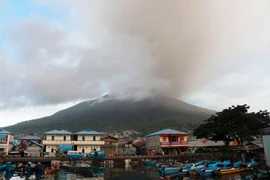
[194,173]
[207,173]
[229,171]
[171,170]
[183,173]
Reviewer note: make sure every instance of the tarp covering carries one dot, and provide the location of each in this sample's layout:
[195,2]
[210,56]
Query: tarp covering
[16,143]
[65,147]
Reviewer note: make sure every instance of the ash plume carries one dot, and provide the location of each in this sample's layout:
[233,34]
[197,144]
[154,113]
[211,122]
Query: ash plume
[129,48]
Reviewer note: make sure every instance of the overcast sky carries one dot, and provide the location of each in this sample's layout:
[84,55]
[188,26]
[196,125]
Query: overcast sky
[54,54]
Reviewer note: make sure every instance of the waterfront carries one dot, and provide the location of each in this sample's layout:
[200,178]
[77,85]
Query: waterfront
[119,173]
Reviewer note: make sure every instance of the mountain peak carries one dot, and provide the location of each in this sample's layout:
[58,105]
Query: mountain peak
[110,113]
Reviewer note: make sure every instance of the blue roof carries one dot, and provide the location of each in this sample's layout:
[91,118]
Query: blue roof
[89,132]
[2,131]
[166,131]
[59,131]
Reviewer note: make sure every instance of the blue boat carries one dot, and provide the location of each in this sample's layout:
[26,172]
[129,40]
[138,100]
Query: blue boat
[208,170]
[194,167]
[260,176]
[150,163]
[251,163]
[169,170]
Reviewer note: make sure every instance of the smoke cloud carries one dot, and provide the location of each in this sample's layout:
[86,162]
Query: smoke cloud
[128,48]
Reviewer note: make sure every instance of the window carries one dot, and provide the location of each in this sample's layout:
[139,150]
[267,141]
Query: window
[82,150]
[51,150]
[174,138]
[164,138]
[182,138]
[2,149]
[65,138]
[3,138]
[94,138]
[53,138]
[83,138]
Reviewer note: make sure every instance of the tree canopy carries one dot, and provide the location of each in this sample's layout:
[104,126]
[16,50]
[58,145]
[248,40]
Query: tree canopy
[233,123]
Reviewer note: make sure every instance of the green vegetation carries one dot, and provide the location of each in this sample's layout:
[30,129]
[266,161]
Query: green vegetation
[233,123]
[145,116]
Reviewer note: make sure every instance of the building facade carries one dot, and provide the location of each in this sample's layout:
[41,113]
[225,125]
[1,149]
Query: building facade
[83,141]
[87,141]
[58,138]
[6,141]
[167,141]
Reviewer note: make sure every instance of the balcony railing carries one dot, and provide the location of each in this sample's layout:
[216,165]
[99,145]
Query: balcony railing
[88,142]
[73,142]
[56,142]
[166,143]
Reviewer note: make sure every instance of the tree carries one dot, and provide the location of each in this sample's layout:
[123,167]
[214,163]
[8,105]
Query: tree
[233,123]
[57,152]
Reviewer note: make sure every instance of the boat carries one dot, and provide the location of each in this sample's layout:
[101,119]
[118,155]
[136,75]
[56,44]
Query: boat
[207,173]
[150,163]
[221,172]
[206,169]
[194,173]
[183,172]
[169,170]
[83,168]
[259,176]
[251,163]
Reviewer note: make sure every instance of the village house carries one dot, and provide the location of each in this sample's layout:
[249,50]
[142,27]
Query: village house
[6,141]
[84,141]
[140,145]
[125,147]
[110,145]
[87,141]
[30,146]
[167,141]
[55,139]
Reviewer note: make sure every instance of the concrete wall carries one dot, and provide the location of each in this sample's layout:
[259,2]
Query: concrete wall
[153,143]
[50,147]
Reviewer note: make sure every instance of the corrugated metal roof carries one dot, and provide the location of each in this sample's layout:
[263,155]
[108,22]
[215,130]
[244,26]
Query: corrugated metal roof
[31,137]
[2,131]
[58,131]
[205,143]
[167,131]
[89,132]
